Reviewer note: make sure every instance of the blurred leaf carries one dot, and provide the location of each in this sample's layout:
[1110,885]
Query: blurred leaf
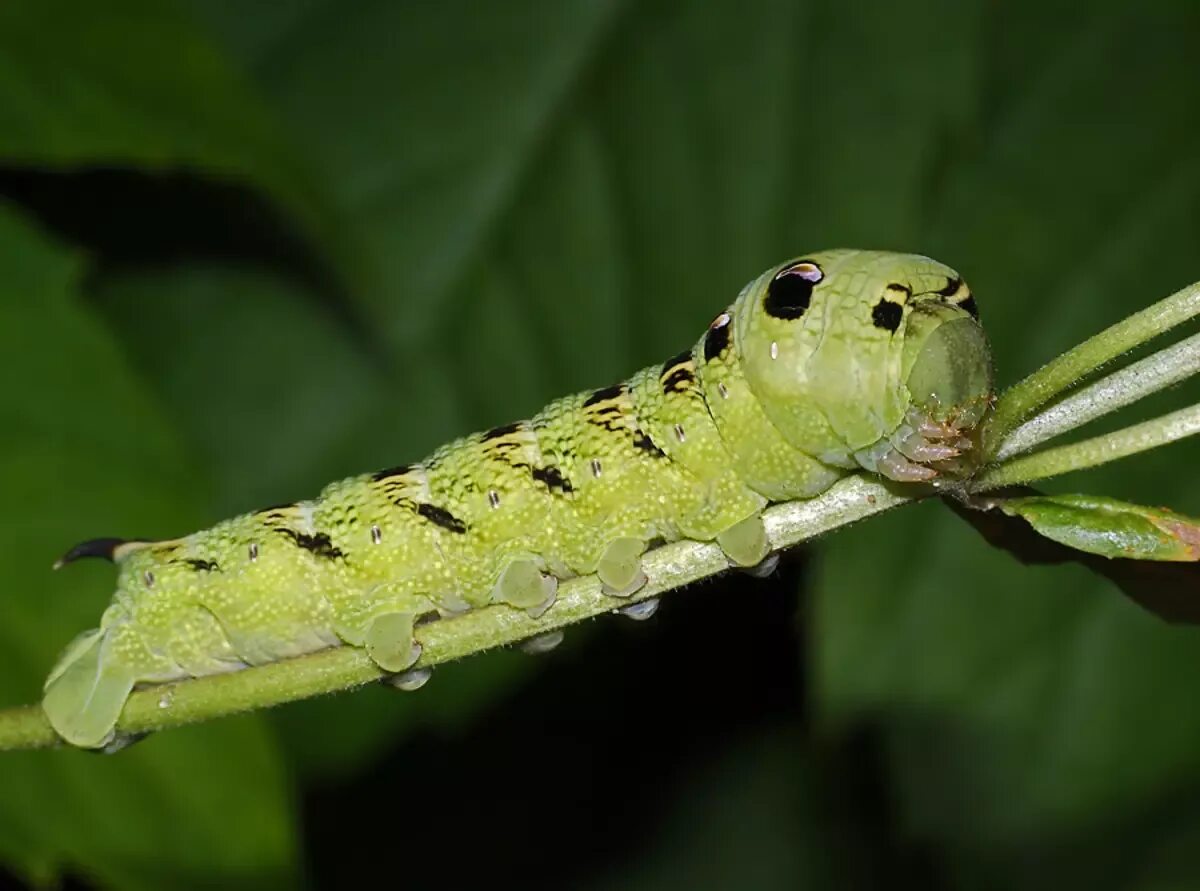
[263,379]
[424,176]
[756,820]
[138,84]
[84,451]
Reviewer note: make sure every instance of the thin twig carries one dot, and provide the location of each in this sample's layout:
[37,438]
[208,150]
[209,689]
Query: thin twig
[1091,452]
[1075,365]
[1141,379]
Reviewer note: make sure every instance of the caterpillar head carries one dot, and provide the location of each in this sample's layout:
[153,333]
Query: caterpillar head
[868,358]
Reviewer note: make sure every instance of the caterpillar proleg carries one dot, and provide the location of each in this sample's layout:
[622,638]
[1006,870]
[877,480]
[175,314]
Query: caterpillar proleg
[834,363]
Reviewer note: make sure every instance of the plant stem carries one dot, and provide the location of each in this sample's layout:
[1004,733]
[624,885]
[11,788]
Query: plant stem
[1091,452]
[1157,372]
[342,668]
[1060,374]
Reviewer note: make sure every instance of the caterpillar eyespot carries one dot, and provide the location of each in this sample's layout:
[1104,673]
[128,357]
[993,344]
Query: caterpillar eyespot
[764,408]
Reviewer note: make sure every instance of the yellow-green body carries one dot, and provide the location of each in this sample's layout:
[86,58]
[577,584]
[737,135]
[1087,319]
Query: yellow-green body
[774,403]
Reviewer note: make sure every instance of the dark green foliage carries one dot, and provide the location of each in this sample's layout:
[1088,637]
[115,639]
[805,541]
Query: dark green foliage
[246,248]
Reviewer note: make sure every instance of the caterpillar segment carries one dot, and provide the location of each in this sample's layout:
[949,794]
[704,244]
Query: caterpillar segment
[834,363]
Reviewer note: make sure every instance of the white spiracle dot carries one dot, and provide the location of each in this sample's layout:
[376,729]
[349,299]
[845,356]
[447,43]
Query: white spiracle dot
[596,467]
[679,434]
[723,390]
[148,578]
[253,551]
[494,498]
[774,350]
[376,534]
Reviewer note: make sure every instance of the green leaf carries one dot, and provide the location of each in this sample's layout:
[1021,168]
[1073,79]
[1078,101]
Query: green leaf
[138,84]
[85,451]
[1108,527]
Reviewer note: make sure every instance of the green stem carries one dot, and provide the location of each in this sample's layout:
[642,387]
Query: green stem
[1091,452]
[342,668]
[1141,379]
[1060,374]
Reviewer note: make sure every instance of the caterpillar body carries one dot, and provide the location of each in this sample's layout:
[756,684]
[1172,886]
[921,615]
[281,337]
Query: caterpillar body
[837,362]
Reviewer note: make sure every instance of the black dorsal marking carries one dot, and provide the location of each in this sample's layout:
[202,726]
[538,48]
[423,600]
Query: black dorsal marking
[903,289]
[552,478]
[887,315]
[970,307]
[644,443]
[716,341]
[953,285]
[677,375]
[104,548]
[616,391]
[501,432]
[400,470]
[318,543]
[277,508]
[790,292]
[203,565]
[439,516]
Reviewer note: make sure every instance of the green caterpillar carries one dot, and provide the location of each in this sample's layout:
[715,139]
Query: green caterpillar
[835,363]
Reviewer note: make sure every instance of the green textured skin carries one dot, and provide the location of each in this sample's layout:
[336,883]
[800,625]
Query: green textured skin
[763,409]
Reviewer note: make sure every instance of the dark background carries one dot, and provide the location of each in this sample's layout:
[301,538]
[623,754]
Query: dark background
[247,248]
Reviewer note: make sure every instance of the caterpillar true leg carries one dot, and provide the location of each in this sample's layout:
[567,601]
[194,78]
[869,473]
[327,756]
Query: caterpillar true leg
[620,568]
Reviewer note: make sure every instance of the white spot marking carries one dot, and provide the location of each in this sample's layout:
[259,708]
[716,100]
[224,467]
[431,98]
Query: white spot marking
[774,350]
[376,534]
[253,549]
[596,467]
[494,498]
[723,390]
[679,434]
[148,578]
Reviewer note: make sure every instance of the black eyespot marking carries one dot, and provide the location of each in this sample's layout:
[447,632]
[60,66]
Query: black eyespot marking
[644,443]
[401,470]
[500,432]
[439,516]
[887,315]
[552,478]
[716,341]
[790,292]
[96,547]
[952,287]
[204,565]
[970,307]
[318,543]
[608,393]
